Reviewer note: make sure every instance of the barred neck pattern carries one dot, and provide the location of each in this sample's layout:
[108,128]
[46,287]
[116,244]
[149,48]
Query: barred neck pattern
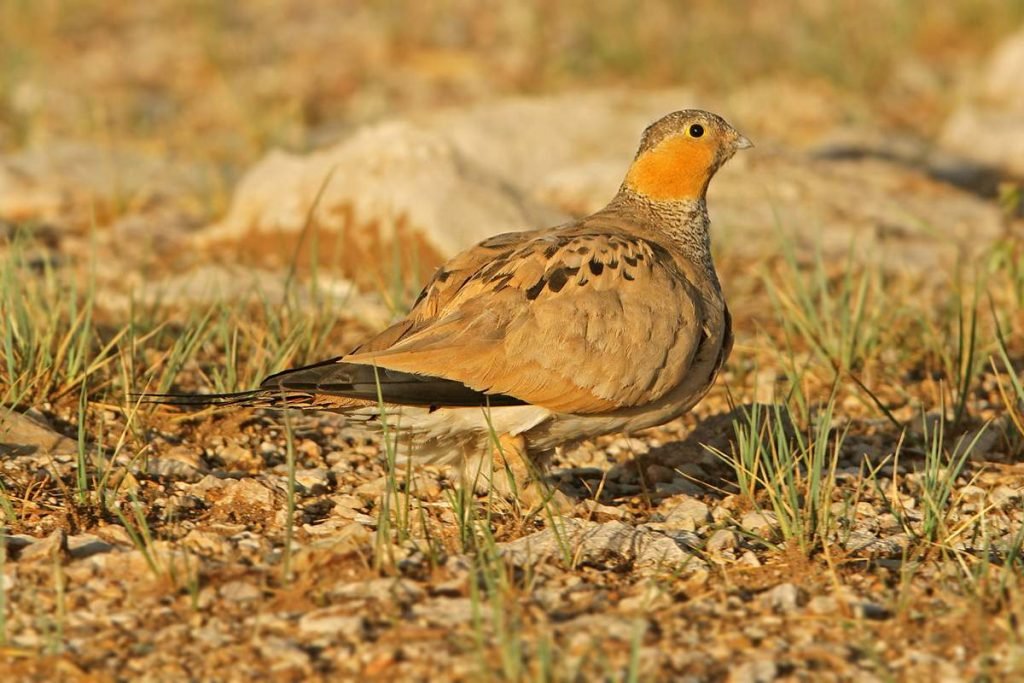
[685,224]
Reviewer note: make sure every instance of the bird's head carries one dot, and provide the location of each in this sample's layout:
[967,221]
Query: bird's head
[679,154]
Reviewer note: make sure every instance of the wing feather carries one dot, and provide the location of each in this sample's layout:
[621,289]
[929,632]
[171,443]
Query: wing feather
[583,320]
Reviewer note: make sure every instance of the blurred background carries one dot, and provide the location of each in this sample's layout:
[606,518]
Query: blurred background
[162,120]
[221,82]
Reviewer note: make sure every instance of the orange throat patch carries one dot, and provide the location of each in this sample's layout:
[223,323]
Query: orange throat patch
[678,168]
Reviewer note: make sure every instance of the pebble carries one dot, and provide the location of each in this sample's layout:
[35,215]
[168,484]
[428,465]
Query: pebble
[312,482]
[722,539]
[52,548]
[870,610]
[784,598]
[240,591]
[761,523]
[757,671]
[748,559]
[236,457]
[1004,496]
[325,622]
[822,605]
[86,545]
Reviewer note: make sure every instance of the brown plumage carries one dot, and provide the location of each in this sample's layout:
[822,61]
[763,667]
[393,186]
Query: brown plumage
[615,322]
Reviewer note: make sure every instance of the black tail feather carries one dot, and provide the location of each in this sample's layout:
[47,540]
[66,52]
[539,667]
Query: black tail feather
[299,388]
[255,399]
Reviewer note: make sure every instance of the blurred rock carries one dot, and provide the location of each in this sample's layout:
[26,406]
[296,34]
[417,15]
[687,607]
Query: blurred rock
[21,434]
[529,141]
[327,622]
[238,458]
[762,524]
[444,180]
[599,542]
[390,187]
[989,128]
[756,671]
[52,548]
[211,283]
[722,540]
[685,513]
[87,545]
[78,186]
[783,598]
[243,500]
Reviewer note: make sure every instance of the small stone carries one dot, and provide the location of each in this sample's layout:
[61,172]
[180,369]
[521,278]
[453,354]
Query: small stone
[28,433]
[722,539]
[748,559]
[312,482]
[238,458]
[760,523]
[652,597]
[600,512]
[1004,496]
[179,462]
[686,513]
[372,489]
[758,671]
[115,534]
[323,622]
[309,448]
[971,493]
[244,500]
[870,610]
[125,483]
[675,487]
[206,543]
[643,547]
[240,591]
[720,513]
[86,545]
[282,655]
[784,598]
[16,542]
[210,483]
[822,605]
[53,548]
[659,474]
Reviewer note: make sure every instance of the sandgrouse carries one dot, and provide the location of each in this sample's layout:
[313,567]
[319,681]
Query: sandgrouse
[530,340]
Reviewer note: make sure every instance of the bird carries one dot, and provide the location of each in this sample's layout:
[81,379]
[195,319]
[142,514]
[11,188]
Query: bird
[534,340]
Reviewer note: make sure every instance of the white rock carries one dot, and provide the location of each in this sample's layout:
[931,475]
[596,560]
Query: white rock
[989,128]
[761,523]
[312,482]
[785,597]
[393,180]
[326,622]
[722,539]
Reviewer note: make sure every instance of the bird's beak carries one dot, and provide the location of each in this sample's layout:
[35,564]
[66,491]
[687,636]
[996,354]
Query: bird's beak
[742,142]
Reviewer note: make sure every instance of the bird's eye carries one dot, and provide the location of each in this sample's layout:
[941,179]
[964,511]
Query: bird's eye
[696,130]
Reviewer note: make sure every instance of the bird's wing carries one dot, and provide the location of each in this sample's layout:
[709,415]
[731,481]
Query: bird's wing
[585,319]
[339,384]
